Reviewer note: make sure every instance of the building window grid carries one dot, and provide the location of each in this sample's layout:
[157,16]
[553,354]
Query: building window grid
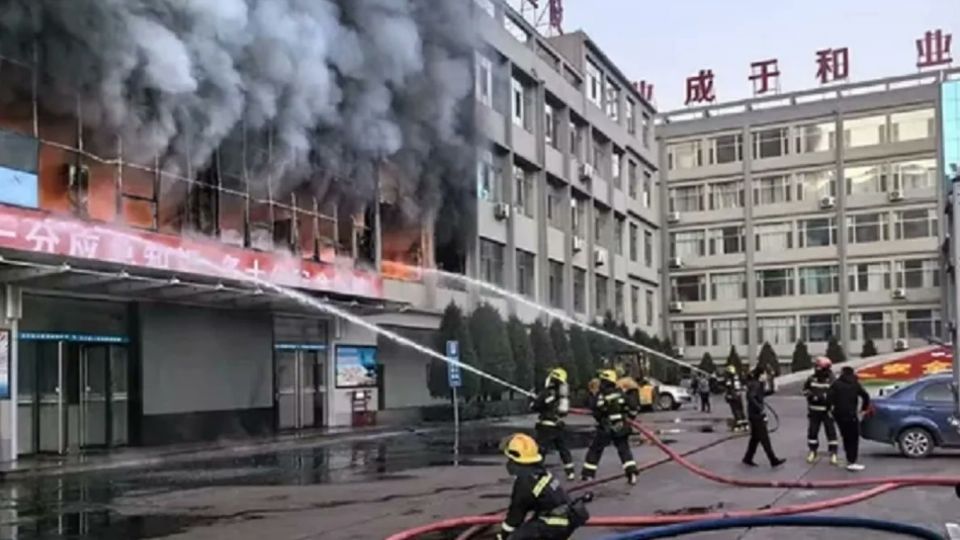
[684,155]
[862,179]
[613,101]
[728,332]
[918,273]
[600,302]
[649,307]
[920,324]
[819,279]
[686,199]
[632,179]
[873,325]
[864,131]
[777,330]
[579,290]
[523,191]
[634,242]
[648,249]
[555,284]
[689,333]
[772,190]
[692,288]
[867,228]
[635,304]
[616,166]
[728,286]
[491,261]
[594,84]
[526,273]
[868,276]
[725,149]
[618,289]
[775,282]
[647,189]
[815,185]
[770,237]
[688,244]
[631,117]
[771,142]
[815,137]
[817,232]
[819,327]
[913,125]
[914,174]
[618,225]
[726,195]
[484,80]
[726,240]
[915,223]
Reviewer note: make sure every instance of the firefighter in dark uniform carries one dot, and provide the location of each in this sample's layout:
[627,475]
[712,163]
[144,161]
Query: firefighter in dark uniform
[551,406]
[611,411]
[815,389]
[536,491]
[733,394]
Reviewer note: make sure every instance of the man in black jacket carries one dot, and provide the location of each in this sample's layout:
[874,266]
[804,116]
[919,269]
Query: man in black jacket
[757,418]
[843,396]
[551,406]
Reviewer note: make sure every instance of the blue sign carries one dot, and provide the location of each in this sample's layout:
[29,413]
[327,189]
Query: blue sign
[5,347]
[299,346]
[950,113]
[454,377]
[19,188]
[356,366]
[78,338]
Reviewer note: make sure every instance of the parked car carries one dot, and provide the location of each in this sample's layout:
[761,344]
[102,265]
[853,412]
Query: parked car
[915,417]
[671,397]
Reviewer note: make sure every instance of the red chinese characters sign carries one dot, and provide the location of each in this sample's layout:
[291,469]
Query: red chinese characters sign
[908,367]
[933,51]
[37,232]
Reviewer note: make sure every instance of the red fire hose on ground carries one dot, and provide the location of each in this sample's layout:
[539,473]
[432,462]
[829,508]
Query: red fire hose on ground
[882,485]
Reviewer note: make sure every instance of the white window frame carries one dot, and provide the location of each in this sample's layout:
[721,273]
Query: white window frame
[594,84]
[517,103]
[484,79]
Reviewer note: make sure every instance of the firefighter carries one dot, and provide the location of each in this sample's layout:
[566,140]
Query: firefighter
[611,411]
[551,406]
[815,389]
[733,393]
[536,491]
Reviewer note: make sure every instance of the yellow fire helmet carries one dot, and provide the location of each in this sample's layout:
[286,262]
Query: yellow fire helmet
[608,375]
[731,368]
[627,384]
[559,374]
[522,449]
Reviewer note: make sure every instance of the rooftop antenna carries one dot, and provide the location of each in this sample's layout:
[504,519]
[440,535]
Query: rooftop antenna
[544,15]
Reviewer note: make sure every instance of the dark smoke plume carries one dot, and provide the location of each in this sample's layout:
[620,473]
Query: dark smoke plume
[339,84]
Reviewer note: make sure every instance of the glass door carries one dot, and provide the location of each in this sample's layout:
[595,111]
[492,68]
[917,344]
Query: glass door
[119,397]
[92,392]
[300,389]
[50,405]
[286,381]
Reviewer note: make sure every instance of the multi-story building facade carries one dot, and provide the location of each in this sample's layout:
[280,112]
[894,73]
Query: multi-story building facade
[126,318]
[805,216]
[567,212]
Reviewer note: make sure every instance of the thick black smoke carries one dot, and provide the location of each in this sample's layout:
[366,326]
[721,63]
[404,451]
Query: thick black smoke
[339,85]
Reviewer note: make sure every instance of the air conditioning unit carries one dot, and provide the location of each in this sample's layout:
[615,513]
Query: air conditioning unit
[577,244]
[501,211]
[599,257]
[676,307]
[586,172]
[676,262]
[828,202]
[900,344]
[673,217]
[899,293]
[895,195]
[679,352]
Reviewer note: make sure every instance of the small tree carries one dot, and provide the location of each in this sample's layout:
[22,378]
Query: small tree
[768,359]
[869,349]
[801,358]
[453,327]
[835,351]
[706,363]
[582,355]
[522,352]
[544,358]
[561,348]
[733,359]
[493,348]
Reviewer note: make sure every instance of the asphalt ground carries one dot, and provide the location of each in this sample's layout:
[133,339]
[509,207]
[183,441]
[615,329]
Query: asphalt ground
[370,488]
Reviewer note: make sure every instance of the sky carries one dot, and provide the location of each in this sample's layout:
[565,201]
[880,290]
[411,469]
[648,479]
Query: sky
[666,41]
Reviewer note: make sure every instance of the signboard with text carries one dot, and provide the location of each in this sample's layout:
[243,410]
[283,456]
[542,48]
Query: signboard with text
[38,232]
[454,377]
[356,366]
[5,347]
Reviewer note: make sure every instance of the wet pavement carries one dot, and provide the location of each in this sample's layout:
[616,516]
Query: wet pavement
[369,489]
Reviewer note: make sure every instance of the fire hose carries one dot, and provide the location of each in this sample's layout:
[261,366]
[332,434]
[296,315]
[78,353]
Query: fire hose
[882,485]
[683,529]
